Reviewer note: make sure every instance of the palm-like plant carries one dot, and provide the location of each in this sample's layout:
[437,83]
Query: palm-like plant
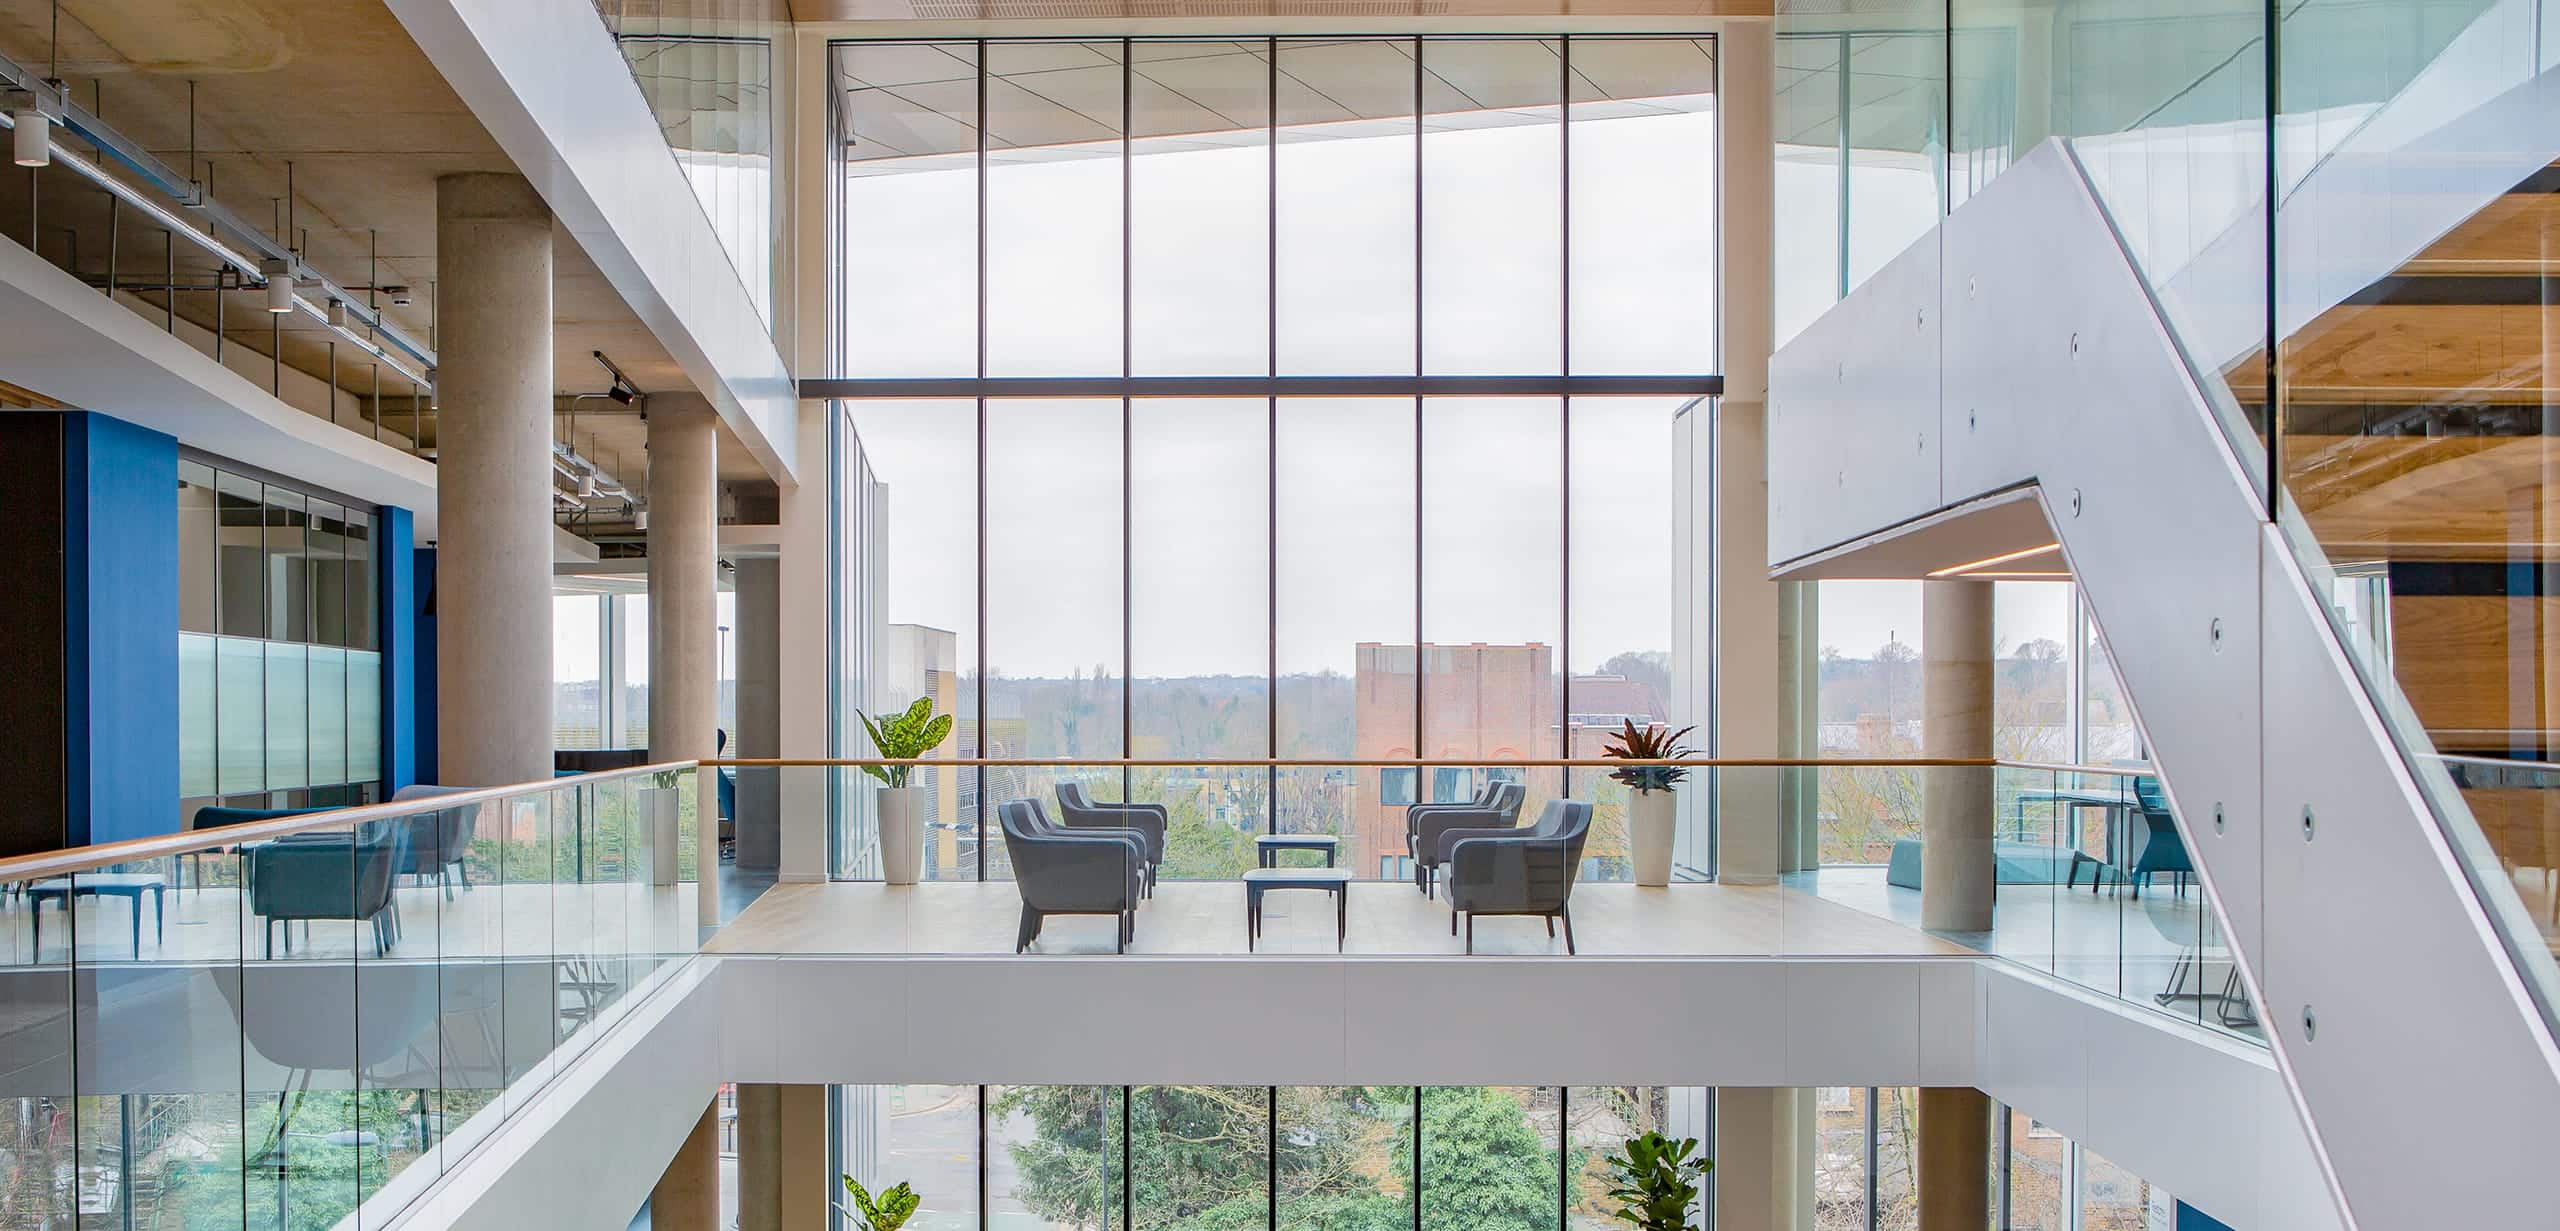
[905,737]
[889,1212]
[1651,742]
[1656,1181]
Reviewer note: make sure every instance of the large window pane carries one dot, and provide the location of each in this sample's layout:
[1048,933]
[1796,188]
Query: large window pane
[1600,1119]
[361,581]
[2031,698]
[2114,1199]
[288,716]
[923,1136]
[577,670]
[1642,158]
[1492,585]
[631,628]
[1053,209]
[1345,201]
[288,566]
[1199,622]
[1897,110]
[1898,1159]
[1199,217]
[196,716]
[1810,185]
[197,598]
[1492,201]
[1870,702]
[1620,590]
[239,503]
[328,715]
[907,118]
[1489,1158]
[326,538]
[1840,1158]
[1345,1157]
[2039,1199]
[923,457]
[1053,602]
[1344,543]
[240,715]
[364,716]
[1053,1158]
[1199,1157]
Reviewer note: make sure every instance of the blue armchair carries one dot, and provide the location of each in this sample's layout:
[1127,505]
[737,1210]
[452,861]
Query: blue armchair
[2159,849]
[328,876]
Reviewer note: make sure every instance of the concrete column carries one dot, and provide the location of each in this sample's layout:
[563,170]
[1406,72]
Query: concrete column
[758,627]
[1955,1158]
[803,624]
[684,580]
[493,477]
[1749,816]
[1956,868]
[1800,724]
[1764,1152]
[687,1197]
[784,1183]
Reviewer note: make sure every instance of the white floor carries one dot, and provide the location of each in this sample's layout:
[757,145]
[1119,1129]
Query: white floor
[2107,940]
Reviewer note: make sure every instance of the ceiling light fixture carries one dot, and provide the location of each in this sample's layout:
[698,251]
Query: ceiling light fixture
[34,141]
[279,276]
[1987,562]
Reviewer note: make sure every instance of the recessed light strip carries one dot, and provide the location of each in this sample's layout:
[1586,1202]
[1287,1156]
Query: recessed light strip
[2003,558]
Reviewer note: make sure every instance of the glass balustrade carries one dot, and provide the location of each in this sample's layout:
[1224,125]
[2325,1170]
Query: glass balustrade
[302,1022]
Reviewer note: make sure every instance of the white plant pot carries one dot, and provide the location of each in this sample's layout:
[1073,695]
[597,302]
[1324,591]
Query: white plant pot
[902,834]
[1652,820]
[662,808]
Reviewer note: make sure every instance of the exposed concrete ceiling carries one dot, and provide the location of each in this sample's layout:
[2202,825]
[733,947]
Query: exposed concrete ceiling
[1248,10]
[337,89]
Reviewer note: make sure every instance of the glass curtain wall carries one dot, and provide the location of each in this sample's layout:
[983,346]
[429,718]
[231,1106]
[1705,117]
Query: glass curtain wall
[710,70]
[1866,1173]
[279,669]
[1303,1158]
[1296,569]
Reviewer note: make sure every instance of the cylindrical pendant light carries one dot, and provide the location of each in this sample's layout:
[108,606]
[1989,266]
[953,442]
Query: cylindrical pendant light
[34,140]
[279,278]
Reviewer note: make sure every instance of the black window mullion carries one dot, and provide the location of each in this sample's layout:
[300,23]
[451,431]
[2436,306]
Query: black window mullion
[984,803]
[1128,558]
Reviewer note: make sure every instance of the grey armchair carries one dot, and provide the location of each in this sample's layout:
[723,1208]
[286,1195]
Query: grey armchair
[1075,811]
[440,841]
[1525,872]
[1071,872]
[1426,829]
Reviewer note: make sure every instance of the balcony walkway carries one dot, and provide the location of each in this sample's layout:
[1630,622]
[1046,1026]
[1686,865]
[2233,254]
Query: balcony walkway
[1387,919]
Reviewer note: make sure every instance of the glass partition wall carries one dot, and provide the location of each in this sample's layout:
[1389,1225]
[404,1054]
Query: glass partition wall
[1274,397]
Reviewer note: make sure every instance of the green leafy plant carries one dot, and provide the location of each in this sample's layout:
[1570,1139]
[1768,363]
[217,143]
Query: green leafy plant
[889,1212]
[1656,1182]
[1650,742]
[905,737]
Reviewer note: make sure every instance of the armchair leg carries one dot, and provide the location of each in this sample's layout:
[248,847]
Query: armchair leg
[1030,930]
[1471,933]
[1551,927]
[1566,913]
[1120,937]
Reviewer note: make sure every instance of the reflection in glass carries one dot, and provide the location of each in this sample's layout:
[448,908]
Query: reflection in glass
[1199,619]
[907,126]
[197,597]
[1642,235]
[1345,510]
[1492,195]
[1345,202]
[1199,218]
[1053,602]
[1599,1120]
[1053,202]
[923,459]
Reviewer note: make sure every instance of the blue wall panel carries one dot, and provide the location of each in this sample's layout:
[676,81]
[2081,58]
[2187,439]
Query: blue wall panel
[422,606]
[397,577]
[120,638]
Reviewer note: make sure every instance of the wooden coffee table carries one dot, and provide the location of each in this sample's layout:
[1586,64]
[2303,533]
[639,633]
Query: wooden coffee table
[1336,881]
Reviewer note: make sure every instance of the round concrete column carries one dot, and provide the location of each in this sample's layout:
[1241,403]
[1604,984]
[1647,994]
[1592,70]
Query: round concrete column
[684,580]
[1955,1158]
[493,481]
[1956,868]
[687,1195]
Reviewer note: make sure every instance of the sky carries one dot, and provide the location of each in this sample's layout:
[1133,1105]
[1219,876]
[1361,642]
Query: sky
[1643,280]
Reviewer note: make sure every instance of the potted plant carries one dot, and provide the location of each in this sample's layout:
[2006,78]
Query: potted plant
[1651,815]
[891,1211]
[902,738]
[1656,1182]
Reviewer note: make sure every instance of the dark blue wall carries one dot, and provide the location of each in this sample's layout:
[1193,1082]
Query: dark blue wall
[120,630]
[2192,1219]
[396,565]
[422,608]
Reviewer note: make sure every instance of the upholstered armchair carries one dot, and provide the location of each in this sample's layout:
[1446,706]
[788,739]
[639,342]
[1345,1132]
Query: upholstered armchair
[439,840]
[1427,829]
[1521,872]
[1413,819]
[1063,871]
[1149,820]
[310,876]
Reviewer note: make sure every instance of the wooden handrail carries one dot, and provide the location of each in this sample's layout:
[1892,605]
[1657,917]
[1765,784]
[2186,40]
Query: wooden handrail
[1346,762]
[134,850]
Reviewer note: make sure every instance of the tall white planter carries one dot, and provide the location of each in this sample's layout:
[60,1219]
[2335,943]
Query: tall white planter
[1652,821]
[661,808]
[902,834]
